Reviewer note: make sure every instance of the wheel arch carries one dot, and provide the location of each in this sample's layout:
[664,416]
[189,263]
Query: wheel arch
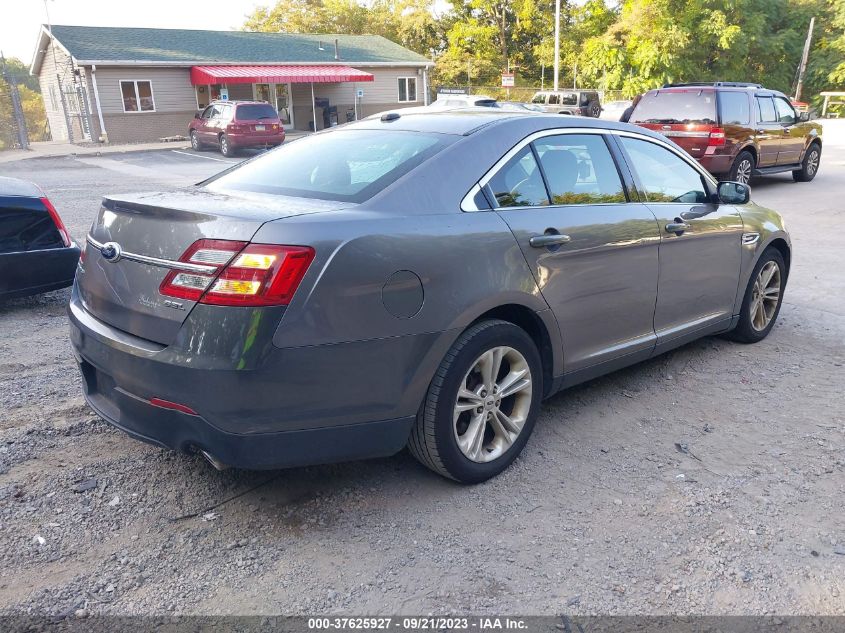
[781,245]
[535,326]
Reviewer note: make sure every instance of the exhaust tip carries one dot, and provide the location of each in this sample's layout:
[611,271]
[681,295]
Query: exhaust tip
[211,459]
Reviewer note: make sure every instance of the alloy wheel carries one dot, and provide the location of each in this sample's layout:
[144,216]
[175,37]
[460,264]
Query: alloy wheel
[224,145]
[195,144]
[493,403]
[765,296]
[812,162]
[743,171]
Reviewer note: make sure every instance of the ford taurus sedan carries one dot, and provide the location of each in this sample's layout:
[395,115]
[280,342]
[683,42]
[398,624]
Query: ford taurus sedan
[423,280]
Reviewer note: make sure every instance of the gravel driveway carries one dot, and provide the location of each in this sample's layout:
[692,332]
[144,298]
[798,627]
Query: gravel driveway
[709,480]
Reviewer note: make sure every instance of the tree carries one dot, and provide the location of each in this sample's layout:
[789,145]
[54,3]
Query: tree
[31,103]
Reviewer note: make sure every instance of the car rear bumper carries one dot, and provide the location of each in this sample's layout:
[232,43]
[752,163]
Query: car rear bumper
[283,408]
[33,272]
[255,140]
[716,163]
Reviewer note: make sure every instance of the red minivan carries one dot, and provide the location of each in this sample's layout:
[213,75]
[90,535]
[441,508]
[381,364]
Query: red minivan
[234,125]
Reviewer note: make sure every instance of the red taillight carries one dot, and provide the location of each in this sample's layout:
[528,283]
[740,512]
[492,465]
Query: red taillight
[261,275]
[175,406]
[214,254]
[717,137]
[60,226]
[239,274]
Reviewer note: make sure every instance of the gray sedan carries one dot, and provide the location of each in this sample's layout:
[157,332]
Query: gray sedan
[420,279]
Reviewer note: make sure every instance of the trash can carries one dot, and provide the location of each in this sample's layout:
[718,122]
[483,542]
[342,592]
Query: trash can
[330,116]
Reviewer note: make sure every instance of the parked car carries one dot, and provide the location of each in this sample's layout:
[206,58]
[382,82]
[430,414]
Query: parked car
[36,252]
[234,125]
[450,102]
[520,106]
[411,280]
[577,102]
[612,110]
[736,130]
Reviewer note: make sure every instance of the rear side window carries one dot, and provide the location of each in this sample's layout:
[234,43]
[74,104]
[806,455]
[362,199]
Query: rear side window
[519,183]
[579,169]
[342,165]
[669,107]
[733,108]
[664,176]
[766,110]
[554,100]
[256,111]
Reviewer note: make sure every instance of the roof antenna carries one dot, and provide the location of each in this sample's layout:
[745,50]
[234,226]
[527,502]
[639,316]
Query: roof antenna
[336,50]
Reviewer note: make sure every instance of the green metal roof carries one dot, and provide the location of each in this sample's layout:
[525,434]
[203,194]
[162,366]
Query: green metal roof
[115,44]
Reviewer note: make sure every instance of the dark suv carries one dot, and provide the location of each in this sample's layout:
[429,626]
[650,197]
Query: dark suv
[735,130]
[233,125]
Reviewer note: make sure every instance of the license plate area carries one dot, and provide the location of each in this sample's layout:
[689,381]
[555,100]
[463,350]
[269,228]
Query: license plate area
[259,128]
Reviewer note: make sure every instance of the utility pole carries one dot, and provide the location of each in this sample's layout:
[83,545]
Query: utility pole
[17,109]
[802,69]
[557,42]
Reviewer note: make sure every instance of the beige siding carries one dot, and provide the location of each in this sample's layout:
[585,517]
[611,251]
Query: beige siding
[172,89]
[56,61]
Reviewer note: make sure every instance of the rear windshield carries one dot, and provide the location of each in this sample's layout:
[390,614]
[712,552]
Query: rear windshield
[342,165]
[688,106]
[256,111]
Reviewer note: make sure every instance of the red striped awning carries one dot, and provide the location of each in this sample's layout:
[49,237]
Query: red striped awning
[275,74]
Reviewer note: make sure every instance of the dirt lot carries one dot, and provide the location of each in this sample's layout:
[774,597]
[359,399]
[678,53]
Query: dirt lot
[709,480]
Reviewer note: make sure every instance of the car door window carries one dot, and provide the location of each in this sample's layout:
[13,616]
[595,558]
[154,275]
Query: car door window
[785,112]
[664,176]
[553,100]
[206,115]
[766,110]
[226,112]
[519,183]
[579,169]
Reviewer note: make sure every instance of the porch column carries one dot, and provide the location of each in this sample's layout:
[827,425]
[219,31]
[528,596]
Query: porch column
[313,107]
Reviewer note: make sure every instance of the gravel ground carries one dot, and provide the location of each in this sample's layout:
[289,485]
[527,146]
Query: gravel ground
[706,481]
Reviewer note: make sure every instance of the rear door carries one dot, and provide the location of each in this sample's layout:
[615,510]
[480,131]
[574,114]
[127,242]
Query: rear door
[792,143]
[686,115]
[594,254]
[768,132]
[700,240]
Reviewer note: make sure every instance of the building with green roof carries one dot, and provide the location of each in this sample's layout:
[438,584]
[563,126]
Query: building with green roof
[120,84]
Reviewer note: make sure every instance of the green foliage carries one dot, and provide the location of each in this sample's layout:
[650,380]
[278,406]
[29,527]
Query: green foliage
[31,103]
[631,46]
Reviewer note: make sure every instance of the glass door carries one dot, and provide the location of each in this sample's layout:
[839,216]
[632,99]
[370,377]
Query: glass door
[262,93]
[283,105]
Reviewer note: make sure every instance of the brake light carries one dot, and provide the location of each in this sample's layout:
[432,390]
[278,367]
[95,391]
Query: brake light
[215,254]
[57,220]
[261,275]
[717,137]
[239,274]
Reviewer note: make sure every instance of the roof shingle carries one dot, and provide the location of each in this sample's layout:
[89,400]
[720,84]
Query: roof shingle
[113,44]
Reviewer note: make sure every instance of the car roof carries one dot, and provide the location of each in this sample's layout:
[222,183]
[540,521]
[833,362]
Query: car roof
[18,187]
[238,102]
[765,92]
[467,121]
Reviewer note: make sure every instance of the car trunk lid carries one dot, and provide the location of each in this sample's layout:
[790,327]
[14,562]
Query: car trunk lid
[153,231]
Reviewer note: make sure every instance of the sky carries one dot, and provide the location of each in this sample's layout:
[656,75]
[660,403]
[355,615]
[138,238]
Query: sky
[20,25]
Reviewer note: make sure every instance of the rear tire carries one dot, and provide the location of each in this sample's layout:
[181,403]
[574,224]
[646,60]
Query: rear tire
[467,430]
[810,165]
[743,168]
[763,298]
[225,148]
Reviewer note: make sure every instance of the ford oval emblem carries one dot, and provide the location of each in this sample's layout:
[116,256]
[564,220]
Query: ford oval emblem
[111,251]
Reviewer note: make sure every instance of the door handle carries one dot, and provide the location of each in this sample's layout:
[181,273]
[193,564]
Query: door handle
[549,239]
[677,227]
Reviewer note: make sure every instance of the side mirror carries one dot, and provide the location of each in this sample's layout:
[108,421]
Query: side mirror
[197,114]
[733,193]
[803,117]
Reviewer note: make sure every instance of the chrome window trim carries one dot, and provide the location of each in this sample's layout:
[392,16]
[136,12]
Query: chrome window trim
[468,205]
[155,261]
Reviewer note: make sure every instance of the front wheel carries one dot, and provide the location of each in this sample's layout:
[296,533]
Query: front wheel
[763,297]
[743,168]
[810,164]
[196,145]
[481,405]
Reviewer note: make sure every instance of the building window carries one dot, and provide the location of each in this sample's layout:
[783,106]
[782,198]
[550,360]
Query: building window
[137,96]
[407,89]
